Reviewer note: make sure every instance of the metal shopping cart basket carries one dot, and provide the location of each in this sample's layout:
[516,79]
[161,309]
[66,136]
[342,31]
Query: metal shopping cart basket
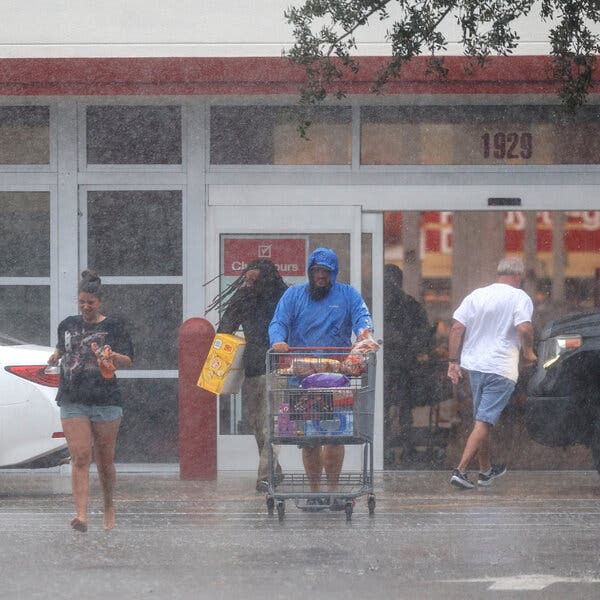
[320,396]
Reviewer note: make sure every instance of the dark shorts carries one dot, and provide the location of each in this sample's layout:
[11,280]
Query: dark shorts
[316,443]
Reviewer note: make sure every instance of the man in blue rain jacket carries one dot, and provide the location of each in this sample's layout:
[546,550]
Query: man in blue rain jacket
[320,313]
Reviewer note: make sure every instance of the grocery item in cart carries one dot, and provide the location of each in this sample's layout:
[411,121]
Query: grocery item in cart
[306,365]
[339,422]
[355,363]
[313,404]
[325,380]
[285,426]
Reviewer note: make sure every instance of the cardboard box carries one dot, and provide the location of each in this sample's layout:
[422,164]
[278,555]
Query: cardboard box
[223,370]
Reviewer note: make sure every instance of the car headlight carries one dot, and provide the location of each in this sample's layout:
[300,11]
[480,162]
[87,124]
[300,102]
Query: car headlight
[558,346]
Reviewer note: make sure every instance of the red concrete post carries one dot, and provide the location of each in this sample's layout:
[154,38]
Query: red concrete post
[197,407]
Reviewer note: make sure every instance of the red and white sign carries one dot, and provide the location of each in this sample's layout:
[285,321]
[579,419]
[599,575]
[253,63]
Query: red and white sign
[581,233]
[288,254]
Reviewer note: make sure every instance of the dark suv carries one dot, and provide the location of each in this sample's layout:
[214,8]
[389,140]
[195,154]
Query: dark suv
[563,403]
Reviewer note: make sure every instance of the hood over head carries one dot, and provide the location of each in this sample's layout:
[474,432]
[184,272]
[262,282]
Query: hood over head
[324,257]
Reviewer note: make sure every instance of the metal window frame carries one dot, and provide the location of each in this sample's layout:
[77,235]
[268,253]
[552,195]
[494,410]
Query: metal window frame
[85,167]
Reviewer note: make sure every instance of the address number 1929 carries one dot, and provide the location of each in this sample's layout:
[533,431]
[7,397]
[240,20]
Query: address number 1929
[503,145]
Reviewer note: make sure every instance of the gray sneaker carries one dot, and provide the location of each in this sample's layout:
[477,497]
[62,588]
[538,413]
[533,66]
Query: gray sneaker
[461,480]
[496,471]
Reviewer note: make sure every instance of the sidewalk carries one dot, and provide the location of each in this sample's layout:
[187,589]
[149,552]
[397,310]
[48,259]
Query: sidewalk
[161,482]
[213,539]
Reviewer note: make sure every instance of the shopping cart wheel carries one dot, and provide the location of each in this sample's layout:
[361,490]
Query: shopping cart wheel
[270,505]
[371,505]
[348,508]
[280,510]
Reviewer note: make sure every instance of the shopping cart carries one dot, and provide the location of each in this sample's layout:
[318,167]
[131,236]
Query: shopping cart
[320,396]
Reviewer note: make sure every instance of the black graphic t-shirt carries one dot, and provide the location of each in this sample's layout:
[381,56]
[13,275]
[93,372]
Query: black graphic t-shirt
[80,377]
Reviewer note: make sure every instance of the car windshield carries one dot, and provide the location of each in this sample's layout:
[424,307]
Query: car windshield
[8,340]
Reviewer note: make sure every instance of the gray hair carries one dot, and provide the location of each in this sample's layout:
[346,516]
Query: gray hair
[511,265]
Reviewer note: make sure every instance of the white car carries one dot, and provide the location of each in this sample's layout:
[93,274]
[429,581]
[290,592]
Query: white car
[30,429]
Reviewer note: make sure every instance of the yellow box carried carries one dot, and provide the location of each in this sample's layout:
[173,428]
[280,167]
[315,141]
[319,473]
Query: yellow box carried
[223,370]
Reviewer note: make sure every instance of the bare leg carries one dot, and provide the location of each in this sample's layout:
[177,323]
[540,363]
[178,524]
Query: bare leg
[105,439]
[78,433]
[484,454]
[333,458]
[313,465]
[479,437]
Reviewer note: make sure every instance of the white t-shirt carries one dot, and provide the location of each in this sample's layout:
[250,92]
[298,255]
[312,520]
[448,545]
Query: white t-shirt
[490,315]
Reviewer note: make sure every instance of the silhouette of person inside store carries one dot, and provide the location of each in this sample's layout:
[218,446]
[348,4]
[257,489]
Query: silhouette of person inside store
[408,338]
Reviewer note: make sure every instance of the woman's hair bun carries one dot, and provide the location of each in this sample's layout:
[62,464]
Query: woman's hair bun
[90,283]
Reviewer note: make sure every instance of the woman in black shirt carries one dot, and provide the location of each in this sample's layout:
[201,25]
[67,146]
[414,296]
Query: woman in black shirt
[90,347]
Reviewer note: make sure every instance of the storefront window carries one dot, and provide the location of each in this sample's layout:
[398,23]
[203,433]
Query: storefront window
[32,324]
[25,234]
[150,431]
[266,135]
[479,135]
[24,135]
[133,135]
[135,232]
[153,314]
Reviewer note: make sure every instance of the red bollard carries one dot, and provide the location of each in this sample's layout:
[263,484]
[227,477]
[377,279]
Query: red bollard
[197,407]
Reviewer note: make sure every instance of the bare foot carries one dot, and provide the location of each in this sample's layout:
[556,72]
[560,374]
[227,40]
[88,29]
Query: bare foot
[109,518]
[79,525]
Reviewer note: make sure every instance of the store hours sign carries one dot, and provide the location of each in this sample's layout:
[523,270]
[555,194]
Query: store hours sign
[288,253]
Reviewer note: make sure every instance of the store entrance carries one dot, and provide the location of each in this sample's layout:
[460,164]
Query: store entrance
[287,235]
[432,260]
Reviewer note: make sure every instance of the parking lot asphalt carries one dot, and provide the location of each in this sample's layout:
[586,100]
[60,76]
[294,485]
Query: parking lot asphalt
[529,535]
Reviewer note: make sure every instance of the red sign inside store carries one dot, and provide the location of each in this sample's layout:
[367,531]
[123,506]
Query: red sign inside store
[289,254]
[581,231]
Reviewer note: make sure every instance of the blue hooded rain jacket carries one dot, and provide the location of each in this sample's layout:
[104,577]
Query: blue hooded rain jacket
[303,322]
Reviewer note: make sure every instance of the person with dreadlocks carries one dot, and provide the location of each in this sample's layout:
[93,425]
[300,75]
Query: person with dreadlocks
[250,302]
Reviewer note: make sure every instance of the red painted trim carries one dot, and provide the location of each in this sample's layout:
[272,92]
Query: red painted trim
[257,75]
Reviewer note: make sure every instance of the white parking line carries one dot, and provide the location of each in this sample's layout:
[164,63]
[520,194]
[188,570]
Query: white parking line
[533,582]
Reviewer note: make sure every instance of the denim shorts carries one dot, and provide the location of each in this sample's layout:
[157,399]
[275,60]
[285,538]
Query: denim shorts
[491,394]
[94,412]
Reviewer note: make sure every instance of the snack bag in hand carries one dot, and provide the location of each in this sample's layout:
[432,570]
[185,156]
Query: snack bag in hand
[365,343]
[355,363]
[105,361]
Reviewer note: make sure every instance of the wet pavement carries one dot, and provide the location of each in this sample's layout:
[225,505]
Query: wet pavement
[529,535]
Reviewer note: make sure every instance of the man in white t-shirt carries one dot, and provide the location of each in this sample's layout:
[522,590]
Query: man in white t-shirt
[491,326]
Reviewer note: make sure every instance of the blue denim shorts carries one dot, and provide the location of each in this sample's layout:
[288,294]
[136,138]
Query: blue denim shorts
[491,394]
[93,412]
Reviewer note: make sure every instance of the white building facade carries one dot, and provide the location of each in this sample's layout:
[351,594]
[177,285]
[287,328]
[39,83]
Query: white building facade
[153,143]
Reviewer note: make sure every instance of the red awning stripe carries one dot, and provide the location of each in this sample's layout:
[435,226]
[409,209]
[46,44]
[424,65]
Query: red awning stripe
[257,75]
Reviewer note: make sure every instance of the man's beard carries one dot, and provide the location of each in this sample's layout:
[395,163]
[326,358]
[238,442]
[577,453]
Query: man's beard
[318,293]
